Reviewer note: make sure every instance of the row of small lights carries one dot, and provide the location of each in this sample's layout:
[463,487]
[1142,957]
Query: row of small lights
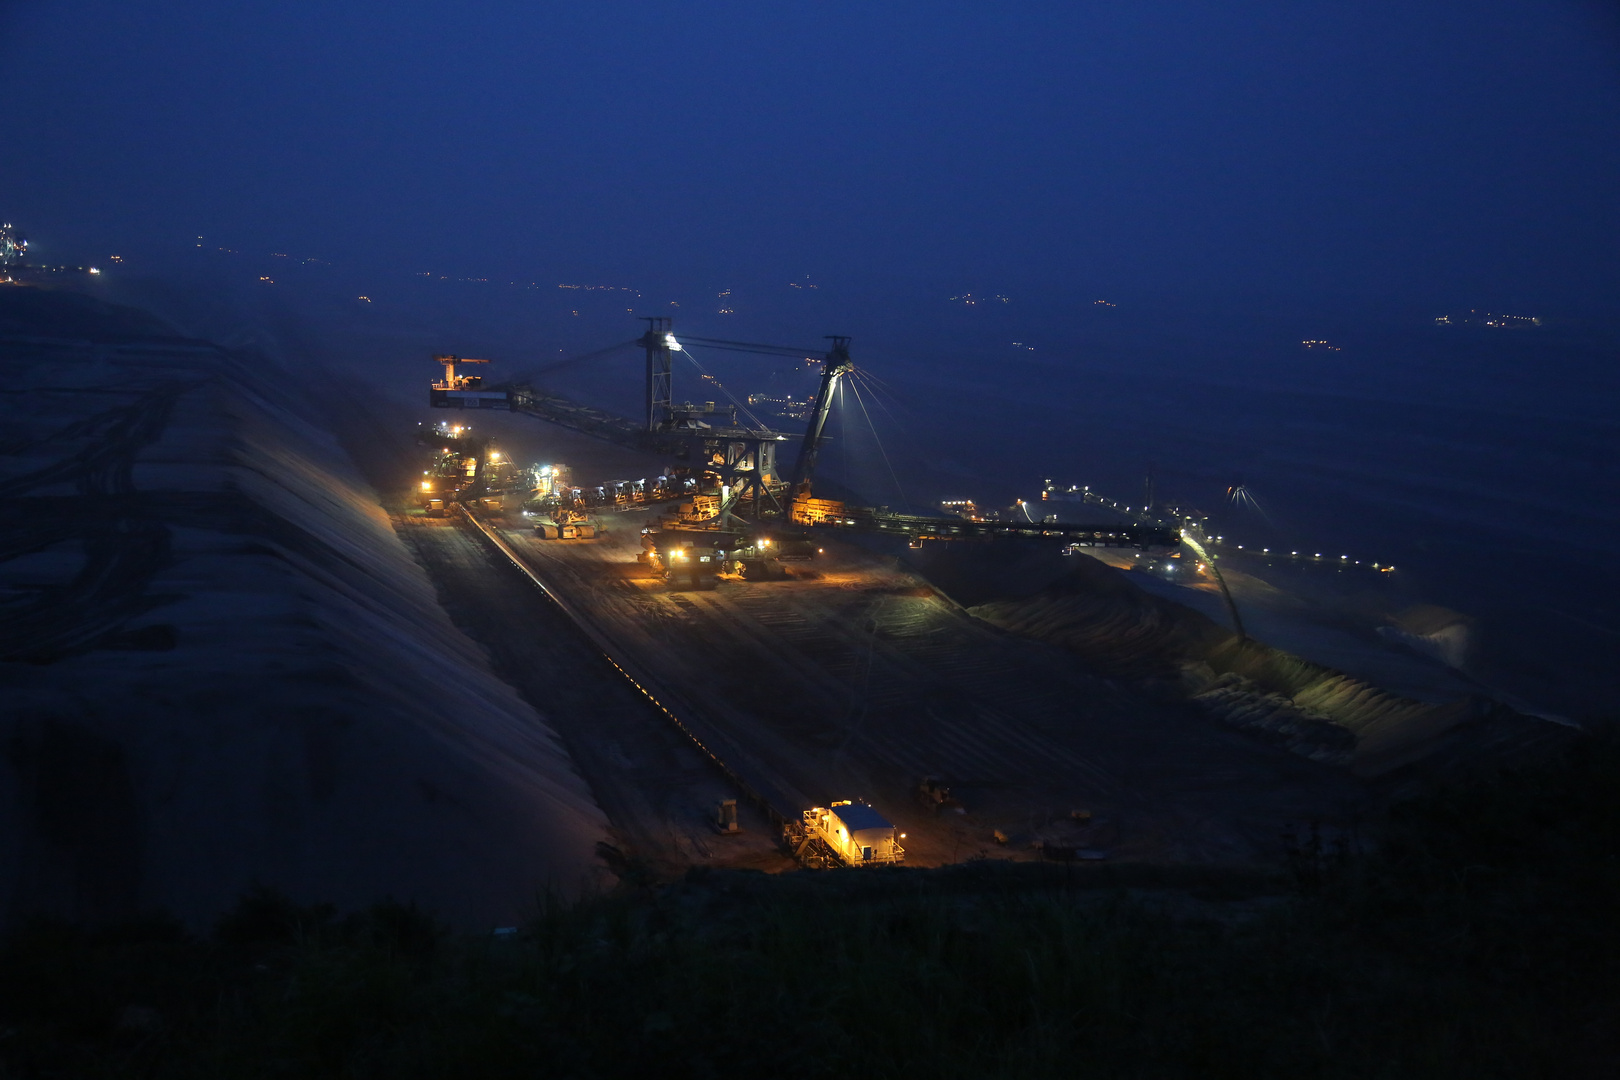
[1347,560]
[1239,547]
[531,284]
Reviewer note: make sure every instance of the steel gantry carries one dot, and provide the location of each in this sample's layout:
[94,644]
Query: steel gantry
[660,345]
[739,458]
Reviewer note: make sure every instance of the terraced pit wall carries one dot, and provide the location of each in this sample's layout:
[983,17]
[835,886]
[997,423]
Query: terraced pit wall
[221,667]
[1119,630]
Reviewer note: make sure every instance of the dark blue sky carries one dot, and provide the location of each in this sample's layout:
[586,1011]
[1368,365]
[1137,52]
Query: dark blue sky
[1308,154]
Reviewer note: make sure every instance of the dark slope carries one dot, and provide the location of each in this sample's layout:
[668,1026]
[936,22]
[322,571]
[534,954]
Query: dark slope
[218,664]
[1121,631]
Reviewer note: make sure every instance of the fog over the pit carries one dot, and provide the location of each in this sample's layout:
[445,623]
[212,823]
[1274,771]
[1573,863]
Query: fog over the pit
[1476,460]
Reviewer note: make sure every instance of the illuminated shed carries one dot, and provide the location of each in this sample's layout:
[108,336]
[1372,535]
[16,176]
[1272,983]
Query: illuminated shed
[857,834]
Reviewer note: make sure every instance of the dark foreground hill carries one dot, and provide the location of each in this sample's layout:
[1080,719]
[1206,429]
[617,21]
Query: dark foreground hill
[1479,941]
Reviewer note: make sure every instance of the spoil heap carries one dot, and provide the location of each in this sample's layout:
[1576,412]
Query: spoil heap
[219,664]
[1124,632]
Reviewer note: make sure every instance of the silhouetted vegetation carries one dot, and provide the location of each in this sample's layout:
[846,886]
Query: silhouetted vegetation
[1478,940]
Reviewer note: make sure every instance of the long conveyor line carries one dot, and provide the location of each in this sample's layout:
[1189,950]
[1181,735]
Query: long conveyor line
[682,714]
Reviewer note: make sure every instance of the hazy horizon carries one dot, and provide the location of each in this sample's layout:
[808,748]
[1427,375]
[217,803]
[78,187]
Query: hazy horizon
[1305,158]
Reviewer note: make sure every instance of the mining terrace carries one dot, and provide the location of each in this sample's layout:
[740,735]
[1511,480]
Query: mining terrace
[853,677]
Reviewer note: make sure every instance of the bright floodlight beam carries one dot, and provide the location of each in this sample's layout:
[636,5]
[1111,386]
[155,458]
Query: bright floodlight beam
[834,367]
[1190,537]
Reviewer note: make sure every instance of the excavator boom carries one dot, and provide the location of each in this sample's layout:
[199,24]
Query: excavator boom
[836,365]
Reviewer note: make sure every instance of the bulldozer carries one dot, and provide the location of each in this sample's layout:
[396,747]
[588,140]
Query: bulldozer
[567,524]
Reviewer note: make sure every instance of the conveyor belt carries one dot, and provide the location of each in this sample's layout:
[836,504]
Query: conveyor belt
[733,761]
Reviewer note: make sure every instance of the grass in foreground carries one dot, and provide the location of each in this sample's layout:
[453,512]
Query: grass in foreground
[1480,941]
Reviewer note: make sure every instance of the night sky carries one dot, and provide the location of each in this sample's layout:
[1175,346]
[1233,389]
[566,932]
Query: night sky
[1305,156]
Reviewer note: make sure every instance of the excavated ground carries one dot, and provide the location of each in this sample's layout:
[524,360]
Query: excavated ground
[657,788]
[1101,616]
[1052,692]
[856,679]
